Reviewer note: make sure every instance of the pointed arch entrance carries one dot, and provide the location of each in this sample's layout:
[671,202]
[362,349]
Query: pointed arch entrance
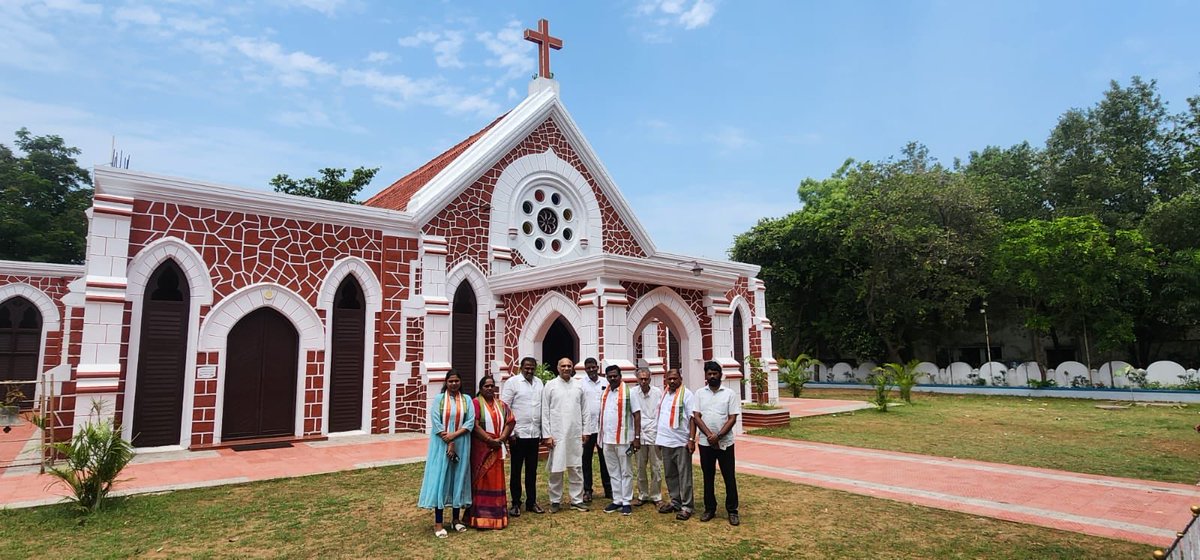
[560,342]
[162,358]
[683,341]
[346,345]
[464,336]
[260,383]
[739,347]
[20,345]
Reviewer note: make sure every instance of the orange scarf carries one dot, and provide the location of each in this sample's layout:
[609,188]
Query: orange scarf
[676,404]
[624,406]
[456,411]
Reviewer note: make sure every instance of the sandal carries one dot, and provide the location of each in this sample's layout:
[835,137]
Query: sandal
[460,527]
[441,533]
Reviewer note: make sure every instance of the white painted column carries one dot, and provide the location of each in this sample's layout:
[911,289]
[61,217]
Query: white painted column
[98,375]
[763,324]
[498,366]
[589,328]
[437,316]
[720,315]
[618,346]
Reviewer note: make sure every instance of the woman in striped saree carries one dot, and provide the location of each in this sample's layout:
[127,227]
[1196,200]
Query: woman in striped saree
[494,423]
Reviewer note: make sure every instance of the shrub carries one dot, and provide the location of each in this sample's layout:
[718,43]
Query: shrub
[796,372]
[904,376]
[544,372]
[882,381]
[758,379]
[93,460]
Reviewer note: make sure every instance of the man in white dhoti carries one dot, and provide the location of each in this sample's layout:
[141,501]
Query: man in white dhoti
[647,462]
[563,408]
[621,432]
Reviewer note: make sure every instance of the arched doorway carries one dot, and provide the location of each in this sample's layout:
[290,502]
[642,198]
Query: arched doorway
[162,355]
[464,333]
[347,344]
[20,347]
[739,347]
[674,360]
[260,377]
[560,342]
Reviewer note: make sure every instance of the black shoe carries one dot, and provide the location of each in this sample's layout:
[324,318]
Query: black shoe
[734,519]
[587,496]
[514,511]
[535,509]
[555,508]
[613,507]
[707,516]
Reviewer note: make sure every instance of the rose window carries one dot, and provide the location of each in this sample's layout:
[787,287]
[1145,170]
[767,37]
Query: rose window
[548,219]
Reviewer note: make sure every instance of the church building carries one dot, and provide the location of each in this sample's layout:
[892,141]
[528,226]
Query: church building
[208,315]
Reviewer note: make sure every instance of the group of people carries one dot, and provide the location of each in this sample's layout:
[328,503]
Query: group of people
[642,429]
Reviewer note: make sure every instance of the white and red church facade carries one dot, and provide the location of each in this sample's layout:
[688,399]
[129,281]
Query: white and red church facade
[208,315]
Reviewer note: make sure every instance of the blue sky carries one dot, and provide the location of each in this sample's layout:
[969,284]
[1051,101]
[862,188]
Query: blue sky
[707,113]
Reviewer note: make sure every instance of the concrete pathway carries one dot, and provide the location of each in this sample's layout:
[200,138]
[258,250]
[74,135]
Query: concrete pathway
[1135,510]
[800,408]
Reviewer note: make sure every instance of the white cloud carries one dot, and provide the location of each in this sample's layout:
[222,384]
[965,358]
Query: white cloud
[24,45]
[510,51]
[304,118]
[292,68]
[664,15]
[402,92]
[729,138]
[446,46]
[194,25]
[77,7]
[377,57]
[325,7]
[143,15]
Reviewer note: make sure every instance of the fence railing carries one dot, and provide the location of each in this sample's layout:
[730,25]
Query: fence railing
[1187,544]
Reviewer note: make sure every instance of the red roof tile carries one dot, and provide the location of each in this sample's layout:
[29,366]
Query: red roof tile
[397,196]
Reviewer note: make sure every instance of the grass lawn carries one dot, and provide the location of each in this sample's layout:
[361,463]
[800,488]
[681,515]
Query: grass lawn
[1145,442]
[372,514]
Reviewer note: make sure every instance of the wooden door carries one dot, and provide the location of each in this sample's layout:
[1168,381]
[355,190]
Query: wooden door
[162,354]
[463,337]
[347,344]
[260,382]
[20,346]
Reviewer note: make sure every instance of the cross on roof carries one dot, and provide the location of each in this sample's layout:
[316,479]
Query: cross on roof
[545,42]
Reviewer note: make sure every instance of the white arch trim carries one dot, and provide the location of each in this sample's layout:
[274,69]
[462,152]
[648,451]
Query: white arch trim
[229,311]
[739,305]
[143,265]
[373,294]
[467,271]
[541,317]
[200,292]
[666,305]
[51,319]
[372,289]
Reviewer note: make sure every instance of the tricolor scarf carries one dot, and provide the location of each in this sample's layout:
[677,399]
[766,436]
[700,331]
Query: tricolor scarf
[624,409]
[454,409]
[676,418]
[493,415]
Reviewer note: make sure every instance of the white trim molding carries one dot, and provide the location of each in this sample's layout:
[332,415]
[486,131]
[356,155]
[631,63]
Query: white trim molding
[373,304]
[229,311]
[551,306]
[670,309]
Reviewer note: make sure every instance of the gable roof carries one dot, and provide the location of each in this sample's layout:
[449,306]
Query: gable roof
[397,195]
[426,191]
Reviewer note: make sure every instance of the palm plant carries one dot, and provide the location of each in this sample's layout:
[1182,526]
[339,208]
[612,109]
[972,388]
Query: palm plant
[798,371]
[904,376]
[94,459]
[883,382]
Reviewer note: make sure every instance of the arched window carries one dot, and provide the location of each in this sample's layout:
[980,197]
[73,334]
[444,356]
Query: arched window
[162,358]
[464,334]
[346,357]
[20,347]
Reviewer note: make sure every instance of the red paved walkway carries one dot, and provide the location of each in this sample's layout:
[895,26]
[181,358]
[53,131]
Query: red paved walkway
[1141,511]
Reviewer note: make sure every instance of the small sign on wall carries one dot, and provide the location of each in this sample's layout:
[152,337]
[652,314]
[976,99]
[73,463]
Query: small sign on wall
[206,372]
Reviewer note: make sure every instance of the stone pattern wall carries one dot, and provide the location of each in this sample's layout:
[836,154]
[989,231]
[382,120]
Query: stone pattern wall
[517,308]
[243,249]
[70,327]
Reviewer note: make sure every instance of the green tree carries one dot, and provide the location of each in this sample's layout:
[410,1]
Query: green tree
[1071,273]
[1012,180]
[43,197]
[329,186]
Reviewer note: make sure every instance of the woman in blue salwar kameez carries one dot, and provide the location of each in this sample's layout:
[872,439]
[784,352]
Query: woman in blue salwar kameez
[447,481]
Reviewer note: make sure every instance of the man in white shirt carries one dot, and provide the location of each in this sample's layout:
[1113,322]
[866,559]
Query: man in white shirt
[523,394]
[593,386]
[676,439]
[647,462]
[621,432]
[563,406]
[717,410]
